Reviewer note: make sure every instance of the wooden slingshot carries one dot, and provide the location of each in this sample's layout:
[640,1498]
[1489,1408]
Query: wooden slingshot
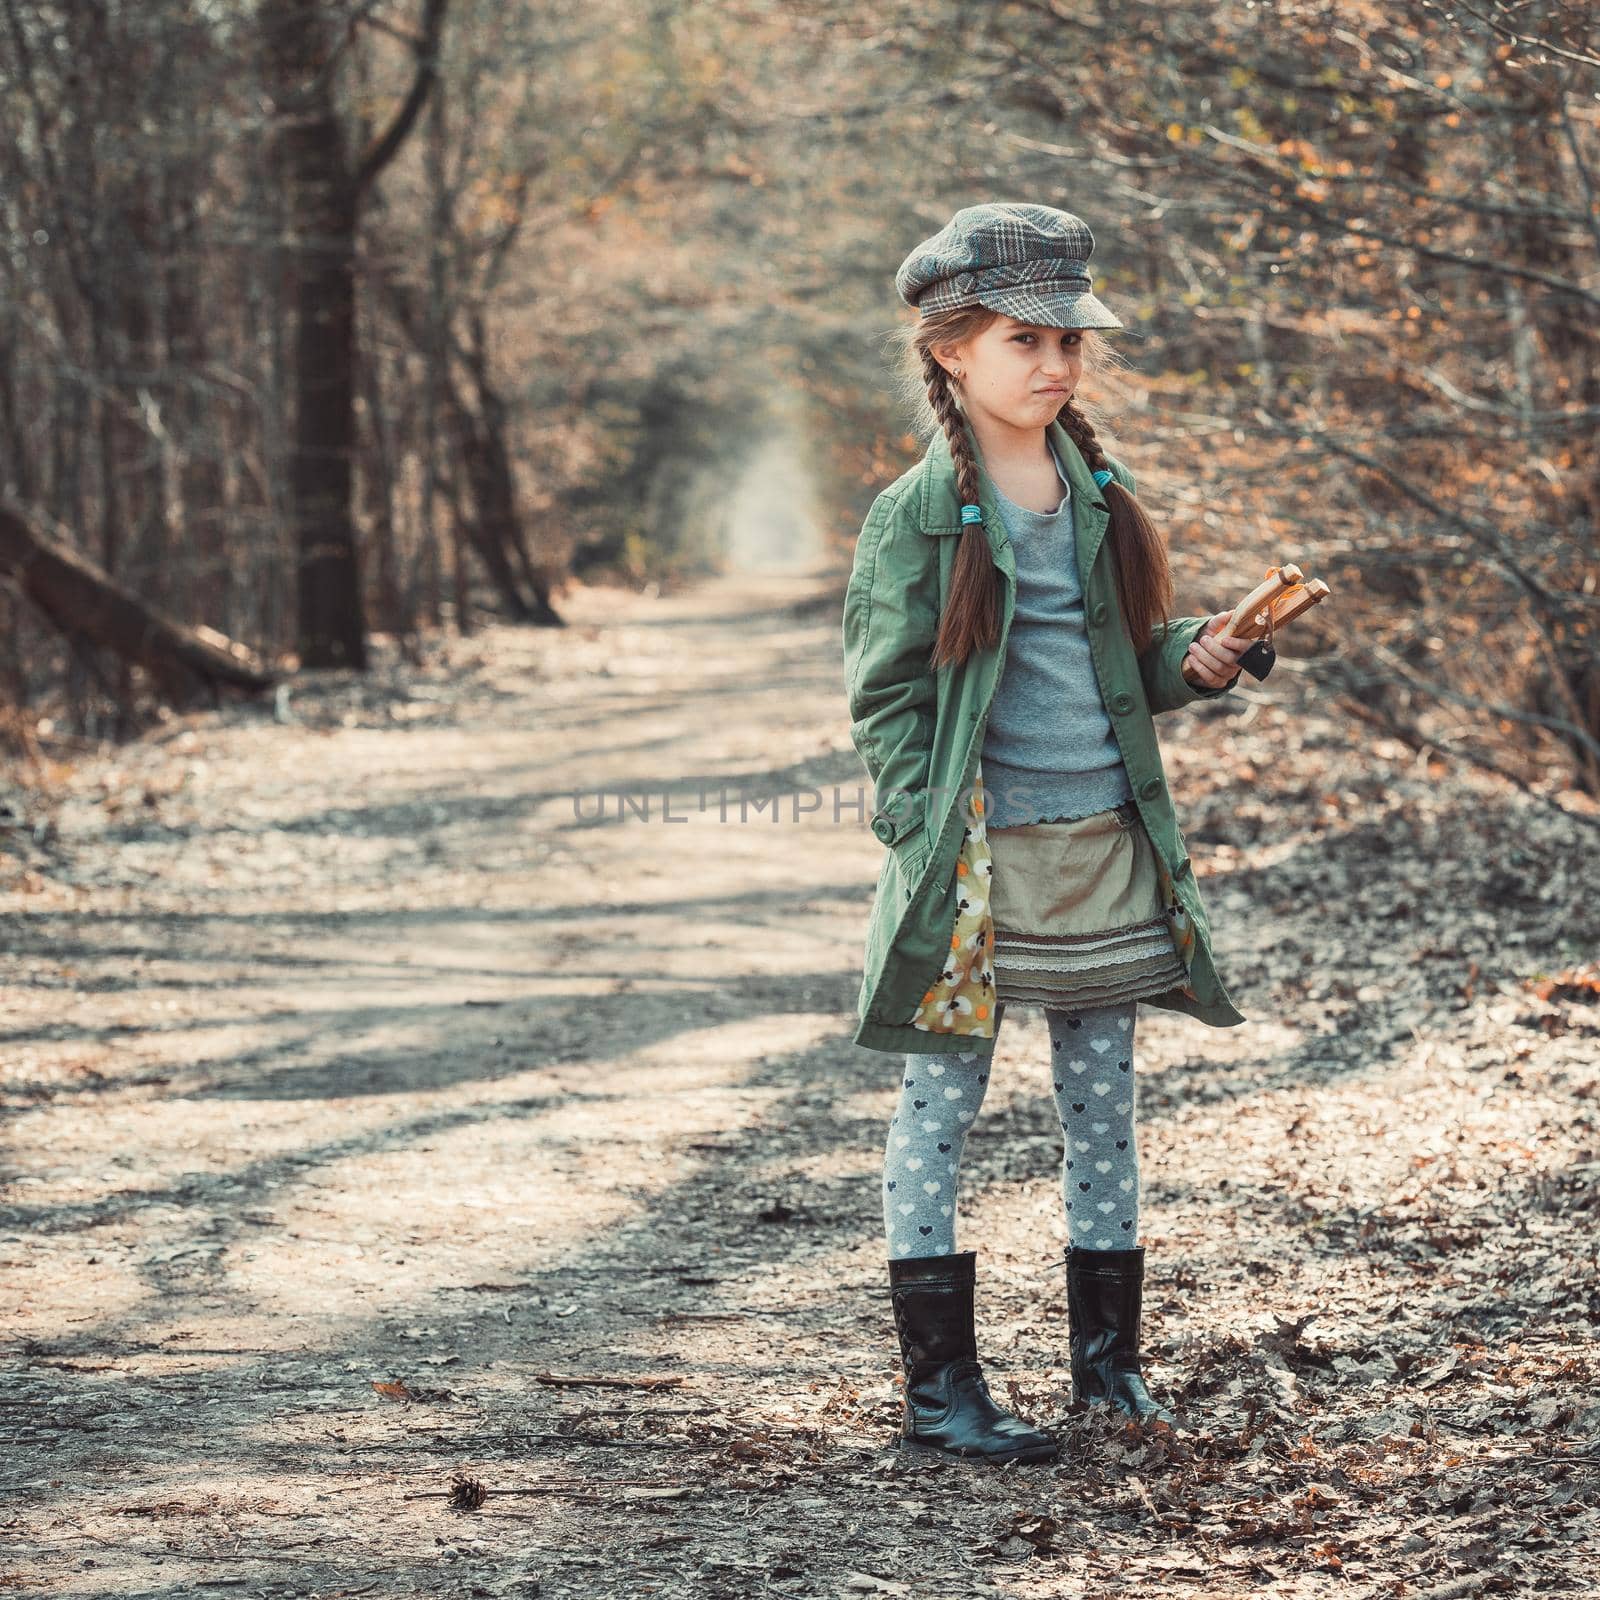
[1283,595]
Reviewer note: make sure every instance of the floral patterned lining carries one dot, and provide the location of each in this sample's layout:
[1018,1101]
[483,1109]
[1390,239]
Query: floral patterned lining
[961,1000]
[1178,919]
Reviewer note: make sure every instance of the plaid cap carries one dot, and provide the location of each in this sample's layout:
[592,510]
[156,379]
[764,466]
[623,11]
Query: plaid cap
[1031,262]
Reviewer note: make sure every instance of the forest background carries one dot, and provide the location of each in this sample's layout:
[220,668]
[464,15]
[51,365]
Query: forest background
[326,320]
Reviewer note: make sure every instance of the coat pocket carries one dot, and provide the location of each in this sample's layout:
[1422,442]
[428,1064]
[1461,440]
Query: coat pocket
[910,856]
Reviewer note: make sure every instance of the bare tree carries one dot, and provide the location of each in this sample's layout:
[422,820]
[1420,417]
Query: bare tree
[326,184]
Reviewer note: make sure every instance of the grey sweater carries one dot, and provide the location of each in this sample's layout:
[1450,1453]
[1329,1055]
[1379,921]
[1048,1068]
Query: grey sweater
[1048,749]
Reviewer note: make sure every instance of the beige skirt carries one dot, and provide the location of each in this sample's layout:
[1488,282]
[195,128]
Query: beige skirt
[1078,918]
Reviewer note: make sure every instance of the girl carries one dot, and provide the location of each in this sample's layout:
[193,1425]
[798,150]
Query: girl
[1006,647]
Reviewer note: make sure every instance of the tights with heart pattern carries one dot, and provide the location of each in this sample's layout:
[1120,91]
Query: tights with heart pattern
[1092,1079]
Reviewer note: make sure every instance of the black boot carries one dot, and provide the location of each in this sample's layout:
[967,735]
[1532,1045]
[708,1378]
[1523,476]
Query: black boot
[1104,1290]
[948,1406]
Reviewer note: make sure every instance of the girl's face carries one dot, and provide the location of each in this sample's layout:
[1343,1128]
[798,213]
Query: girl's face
[1021,373]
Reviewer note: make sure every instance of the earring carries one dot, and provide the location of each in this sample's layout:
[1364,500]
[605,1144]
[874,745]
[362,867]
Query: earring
[958,373]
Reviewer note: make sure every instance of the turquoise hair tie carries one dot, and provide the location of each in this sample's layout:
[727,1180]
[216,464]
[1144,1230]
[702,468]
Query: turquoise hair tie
[971,514]
[1102,477]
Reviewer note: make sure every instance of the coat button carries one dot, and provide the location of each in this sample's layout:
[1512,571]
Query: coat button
[1099,614]
[884,828]
[1122,703]
[1150,788]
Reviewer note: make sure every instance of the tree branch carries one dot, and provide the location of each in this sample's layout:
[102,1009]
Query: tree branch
[384,148]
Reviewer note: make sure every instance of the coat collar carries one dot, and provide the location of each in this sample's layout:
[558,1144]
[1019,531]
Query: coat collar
[941,505]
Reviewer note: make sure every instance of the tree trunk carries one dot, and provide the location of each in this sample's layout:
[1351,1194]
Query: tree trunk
[322,206]
[324,190]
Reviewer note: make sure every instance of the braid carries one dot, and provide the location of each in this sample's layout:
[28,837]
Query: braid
[942,398]
[971,615]
[1138,552]
[1081,431]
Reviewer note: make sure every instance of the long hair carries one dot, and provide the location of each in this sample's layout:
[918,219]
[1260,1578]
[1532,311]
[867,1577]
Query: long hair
[971,617]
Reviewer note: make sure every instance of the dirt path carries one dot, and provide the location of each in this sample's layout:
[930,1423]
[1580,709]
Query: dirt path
[340,1052]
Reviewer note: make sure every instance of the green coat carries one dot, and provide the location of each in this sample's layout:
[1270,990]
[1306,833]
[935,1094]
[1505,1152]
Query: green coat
[920,734]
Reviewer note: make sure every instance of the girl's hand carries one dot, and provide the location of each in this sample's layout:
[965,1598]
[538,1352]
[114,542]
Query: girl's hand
[1210,661]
